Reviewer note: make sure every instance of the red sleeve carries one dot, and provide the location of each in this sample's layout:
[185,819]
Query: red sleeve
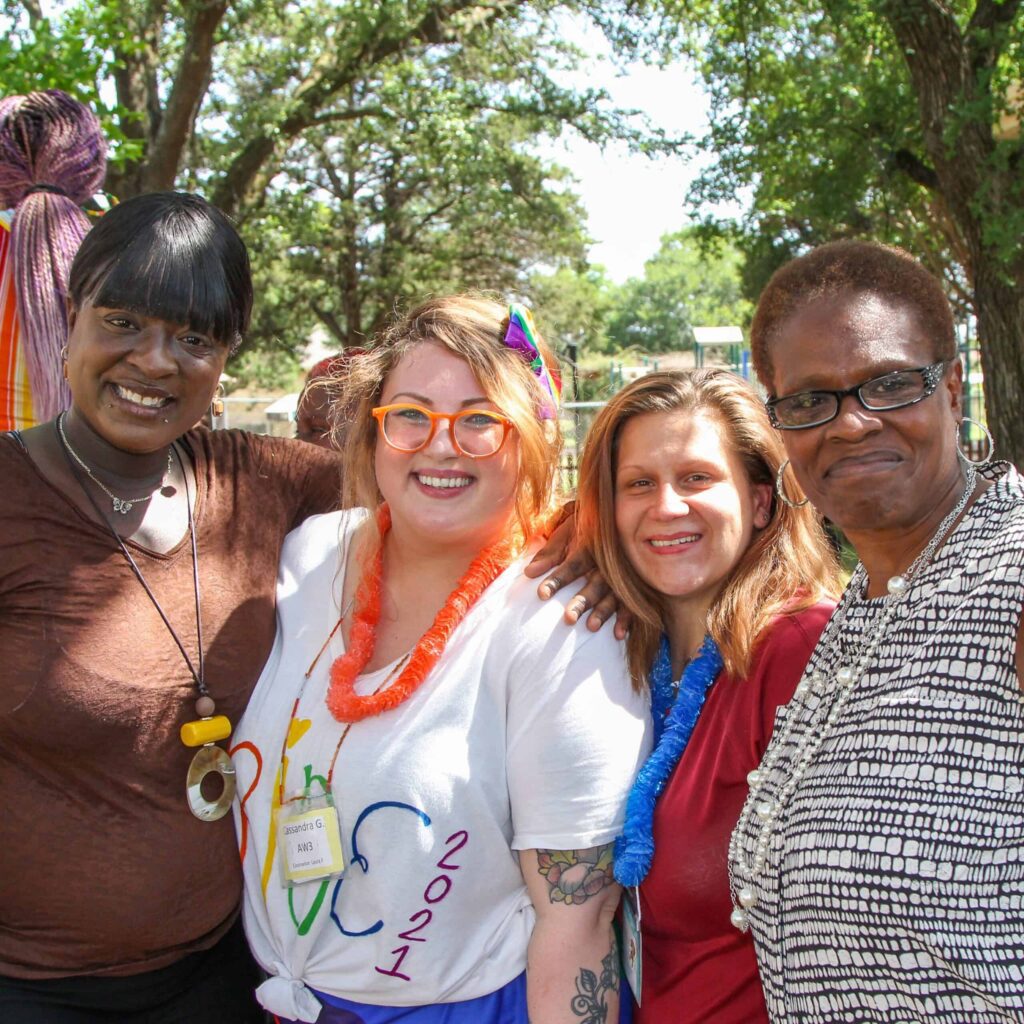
[780,662]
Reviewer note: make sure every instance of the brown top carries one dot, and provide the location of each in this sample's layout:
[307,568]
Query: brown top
[103,869]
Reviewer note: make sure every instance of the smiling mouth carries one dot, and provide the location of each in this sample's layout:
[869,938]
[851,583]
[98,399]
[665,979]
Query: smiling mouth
[147,401]
[854,465]
[674,542]
[443,482]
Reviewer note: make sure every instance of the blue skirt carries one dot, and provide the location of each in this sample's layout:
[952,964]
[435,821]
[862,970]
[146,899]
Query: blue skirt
[506,1006]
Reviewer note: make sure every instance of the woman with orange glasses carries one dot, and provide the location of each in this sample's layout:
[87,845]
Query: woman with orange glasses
[432,768]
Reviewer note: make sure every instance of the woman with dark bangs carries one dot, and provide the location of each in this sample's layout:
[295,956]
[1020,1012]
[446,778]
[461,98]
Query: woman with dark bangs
[137,567]
[730,586]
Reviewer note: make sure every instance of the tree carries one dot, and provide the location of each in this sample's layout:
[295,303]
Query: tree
[386,215]
[688,283]
[572,305]
[875,118]
[257,75]
[370,152]
[432,187]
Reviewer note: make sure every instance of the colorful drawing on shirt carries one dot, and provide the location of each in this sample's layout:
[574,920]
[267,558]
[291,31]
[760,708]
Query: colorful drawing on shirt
[275,806]
[296,730]
[243,842]
[358,858]
[302,927]
[435,892]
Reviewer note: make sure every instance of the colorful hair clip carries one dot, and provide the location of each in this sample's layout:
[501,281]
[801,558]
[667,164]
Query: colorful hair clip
[521,337]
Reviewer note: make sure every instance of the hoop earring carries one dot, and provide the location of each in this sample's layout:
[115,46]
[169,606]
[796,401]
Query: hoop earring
[217,405]
[780,489]
[990,451]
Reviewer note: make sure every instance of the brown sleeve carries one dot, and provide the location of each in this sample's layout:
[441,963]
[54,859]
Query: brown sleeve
[291,479]
[307,477]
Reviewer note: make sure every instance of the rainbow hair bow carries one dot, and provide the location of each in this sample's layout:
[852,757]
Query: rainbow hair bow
[522,337]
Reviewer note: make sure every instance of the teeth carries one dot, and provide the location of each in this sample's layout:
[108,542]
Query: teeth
[134,396]
[677,542]
[444,481]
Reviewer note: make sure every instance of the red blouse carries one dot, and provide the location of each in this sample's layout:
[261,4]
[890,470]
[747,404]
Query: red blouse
[696,966]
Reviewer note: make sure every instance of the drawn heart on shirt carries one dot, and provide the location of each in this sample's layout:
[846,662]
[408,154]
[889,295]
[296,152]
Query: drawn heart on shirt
[298,729]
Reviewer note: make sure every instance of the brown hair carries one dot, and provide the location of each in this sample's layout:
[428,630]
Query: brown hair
[849,266]
[789,564]
[473,328]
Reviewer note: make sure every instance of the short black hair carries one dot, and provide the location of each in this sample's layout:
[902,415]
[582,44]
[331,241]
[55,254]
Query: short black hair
[170,255]
[850,266]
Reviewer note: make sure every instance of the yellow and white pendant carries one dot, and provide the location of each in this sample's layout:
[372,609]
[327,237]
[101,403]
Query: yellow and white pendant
[209,759]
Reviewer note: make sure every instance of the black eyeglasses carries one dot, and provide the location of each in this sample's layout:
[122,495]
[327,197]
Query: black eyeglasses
[890,391]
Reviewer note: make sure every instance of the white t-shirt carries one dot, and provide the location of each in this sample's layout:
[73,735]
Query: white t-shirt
[527,734]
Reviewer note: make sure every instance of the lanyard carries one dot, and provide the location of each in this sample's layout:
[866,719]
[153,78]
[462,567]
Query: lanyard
[198,674]
[283,765]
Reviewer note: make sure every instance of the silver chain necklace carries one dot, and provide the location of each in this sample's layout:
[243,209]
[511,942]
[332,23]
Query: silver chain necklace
[122,505]
[846,671]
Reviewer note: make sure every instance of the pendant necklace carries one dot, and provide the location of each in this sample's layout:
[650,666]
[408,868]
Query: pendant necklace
[282,774]
[121,505]
[209,727]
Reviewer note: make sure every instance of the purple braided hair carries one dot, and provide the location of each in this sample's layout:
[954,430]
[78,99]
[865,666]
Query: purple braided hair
[47,138]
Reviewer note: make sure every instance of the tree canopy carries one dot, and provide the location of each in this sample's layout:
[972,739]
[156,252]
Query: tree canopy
[374,151]
[690,282]
[889,119]
[371,152]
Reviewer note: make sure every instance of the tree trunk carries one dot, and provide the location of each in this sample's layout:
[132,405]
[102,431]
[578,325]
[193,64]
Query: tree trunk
[136,82]
[1000,306]
[951,74]
[191,80]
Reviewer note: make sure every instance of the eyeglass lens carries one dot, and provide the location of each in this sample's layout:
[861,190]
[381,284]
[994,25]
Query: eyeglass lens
[889,391]
[476,433]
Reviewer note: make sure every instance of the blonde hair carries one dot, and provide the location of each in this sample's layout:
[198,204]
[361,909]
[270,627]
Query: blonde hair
[473,328]
[789,564]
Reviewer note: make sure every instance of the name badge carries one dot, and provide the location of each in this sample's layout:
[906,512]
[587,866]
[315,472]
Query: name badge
[632,944]
[309,840]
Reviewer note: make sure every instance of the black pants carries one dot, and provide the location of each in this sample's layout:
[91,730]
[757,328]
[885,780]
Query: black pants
[212,987]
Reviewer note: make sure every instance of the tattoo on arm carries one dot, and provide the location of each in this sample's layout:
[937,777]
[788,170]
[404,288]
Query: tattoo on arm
[591,1000]
[576,875]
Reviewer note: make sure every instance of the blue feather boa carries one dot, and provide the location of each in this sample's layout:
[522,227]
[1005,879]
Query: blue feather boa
[673,726]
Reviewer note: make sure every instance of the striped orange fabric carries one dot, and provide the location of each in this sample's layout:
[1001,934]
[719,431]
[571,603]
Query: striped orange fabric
[16,411]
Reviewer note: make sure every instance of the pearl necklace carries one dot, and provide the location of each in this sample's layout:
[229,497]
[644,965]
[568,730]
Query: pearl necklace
[847,671]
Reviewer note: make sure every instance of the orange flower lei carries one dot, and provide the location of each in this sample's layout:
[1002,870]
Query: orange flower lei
[342,700]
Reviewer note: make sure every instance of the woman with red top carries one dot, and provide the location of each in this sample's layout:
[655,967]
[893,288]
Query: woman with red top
[730,586]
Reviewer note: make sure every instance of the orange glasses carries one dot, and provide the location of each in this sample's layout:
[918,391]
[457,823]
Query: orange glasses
[475,433]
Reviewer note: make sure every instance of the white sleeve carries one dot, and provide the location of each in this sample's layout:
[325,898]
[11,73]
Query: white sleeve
[577,733]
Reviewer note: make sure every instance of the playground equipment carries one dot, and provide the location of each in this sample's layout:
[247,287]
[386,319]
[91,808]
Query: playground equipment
[729,341]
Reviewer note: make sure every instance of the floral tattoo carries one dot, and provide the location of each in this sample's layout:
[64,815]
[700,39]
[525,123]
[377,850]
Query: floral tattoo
[576,875]
[591,1000]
